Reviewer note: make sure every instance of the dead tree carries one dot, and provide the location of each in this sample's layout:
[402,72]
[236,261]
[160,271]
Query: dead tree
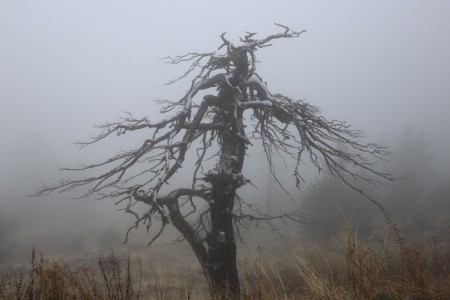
[215,127]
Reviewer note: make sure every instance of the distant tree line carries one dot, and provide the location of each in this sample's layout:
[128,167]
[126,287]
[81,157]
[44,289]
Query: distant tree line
[8,230]
[418,202]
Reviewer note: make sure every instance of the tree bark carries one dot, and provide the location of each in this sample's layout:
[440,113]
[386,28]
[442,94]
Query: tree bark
[221,266]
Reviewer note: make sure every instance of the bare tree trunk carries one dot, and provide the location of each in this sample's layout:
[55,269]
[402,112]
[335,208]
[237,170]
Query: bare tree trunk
[221,266]
[222,269]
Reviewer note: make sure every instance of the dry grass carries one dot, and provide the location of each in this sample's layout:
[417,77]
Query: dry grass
[50,280]
[381,269]
[374,269]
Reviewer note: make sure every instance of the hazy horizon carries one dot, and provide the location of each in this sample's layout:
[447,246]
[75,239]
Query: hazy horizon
[65,66]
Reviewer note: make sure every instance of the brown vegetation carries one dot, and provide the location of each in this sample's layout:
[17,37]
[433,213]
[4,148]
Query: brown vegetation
[354,269]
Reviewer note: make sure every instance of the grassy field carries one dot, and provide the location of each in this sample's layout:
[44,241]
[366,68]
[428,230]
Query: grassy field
[347,267]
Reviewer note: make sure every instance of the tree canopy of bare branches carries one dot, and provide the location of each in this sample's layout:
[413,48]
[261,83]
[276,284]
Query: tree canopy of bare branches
[216,127]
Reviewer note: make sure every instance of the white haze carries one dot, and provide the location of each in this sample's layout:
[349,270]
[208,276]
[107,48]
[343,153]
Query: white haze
[67,65]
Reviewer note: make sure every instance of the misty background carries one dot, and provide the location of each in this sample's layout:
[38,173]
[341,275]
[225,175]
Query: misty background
[65,66]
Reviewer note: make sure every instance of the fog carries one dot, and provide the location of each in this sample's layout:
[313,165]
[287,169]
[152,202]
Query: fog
[65,66]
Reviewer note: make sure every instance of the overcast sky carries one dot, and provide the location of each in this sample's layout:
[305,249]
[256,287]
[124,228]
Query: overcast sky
[67,65]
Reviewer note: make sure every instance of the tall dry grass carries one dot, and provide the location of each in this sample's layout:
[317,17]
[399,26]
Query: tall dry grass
[381,269]
[109,278]
[50,280]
